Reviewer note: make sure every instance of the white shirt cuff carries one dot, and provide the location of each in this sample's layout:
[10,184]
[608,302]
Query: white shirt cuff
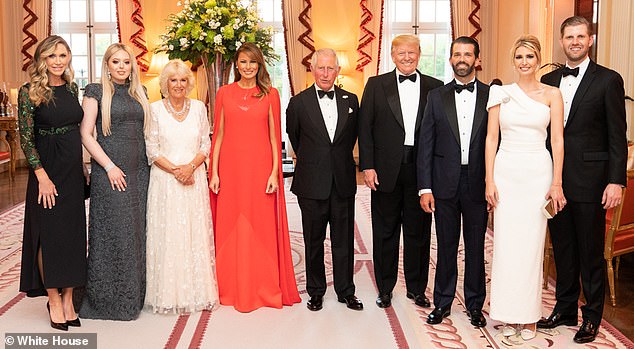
[424,191]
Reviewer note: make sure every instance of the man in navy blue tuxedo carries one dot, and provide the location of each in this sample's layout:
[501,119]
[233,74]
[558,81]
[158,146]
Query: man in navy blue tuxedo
[451,173]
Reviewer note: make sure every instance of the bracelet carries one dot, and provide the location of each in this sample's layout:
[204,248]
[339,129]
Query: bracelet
[193,166]
[109,167]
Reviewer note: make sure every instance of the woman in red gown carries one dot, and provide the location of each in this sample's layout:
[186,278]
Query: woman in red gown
[253,257]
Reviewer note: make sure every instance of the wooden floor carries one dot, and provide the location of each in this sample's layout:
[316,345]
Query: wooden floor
[621,316]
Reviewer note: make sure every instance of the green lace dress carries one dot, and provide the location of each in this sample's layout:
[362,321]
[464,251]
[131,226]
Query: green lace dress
[50,139]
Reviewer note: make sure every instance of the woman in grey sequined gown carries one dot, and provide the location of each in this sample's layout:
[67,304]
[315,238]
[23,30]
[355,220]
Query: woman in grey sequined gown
[115,288]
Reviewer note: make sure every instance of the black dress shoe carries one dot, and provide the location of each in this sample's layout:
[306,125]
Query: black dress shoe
[419,299]
[557,319]
[315,303]
[62,326]
[384,300]
[587,332]
[477,318]
[436,316]
[74,323]
[352,302]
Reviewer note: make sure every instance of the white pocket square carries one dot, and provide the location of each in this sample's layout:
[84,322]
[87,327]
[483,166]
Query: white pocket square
[350,110]
[344,96]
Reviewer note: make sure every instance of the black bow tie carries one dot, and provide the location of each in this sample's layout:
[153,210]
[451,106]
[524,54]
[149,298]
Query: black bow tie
[322,93]
[568,71]
[411,77]
[459,88]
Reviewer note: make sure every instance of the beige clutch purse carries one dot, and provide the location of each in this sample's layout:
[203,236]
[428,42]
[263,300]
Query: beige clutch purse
[549,209]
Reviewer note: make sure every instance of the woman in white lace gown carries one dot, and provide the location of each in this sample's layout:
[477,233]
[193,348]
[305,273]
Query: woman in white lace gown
[520,176]
[180,252]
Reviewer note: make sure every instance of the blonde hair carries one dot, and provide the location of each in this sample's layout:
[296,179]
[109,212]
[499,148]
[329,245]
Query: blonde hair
[176,67]
[531,42]
[135,90]
[405,39]
[39,90]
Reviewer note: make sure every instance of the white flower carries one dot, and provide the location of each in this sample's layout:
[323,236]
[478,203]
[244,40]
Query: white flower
[171,47]
[218,39]
[179,4]
[183,41]
[238,44]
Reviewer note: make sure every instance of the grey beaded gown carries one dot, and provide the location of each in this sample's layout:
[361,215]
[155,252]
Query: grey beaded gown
[115,288]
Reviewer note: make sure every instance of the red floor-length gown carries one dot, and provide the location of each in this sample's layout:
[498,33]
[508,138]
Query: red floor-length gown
[253,255]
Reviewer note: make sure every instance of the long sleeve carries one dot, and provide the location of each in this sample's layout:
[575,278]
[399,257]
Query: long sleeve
[426,142]
[152,147]
[366,125]
[292,124]
[26,120]
[616,130]
[203,133]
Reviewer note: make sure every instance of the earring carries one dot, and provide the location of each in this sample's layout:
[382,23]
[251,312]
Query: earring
[108,73]
[130,77]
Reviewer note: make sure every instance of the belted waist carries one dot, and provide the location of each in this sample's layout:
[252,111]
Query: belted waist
[511,146]
[57,130]
[408,154]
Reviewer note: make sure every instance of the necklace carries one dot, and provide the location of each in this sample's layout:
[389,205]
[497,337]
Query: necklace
[178,114]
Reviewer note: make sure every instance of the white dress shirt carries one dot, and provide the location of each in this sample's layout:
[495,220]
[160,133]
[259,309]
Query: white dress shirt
[465,109]
[328,111]
[568,86]
[409,96]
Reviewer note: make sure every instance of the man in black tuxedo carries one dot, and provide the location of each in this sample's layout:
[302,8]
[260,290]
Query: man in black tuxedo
[594,172]
[391,111]
[451,171]
[322,125]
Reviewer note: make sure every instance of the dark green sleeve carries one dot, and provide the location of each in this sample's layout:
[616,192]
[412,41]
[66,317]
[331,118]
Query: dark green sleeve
[26,122]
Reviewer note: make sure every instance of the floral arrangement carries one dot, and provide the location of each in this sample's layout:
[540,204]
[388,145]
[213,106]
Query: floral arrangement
[212,28]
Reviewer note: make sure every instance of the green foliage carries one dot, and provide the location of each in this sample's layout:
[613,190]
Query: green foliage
[214,26]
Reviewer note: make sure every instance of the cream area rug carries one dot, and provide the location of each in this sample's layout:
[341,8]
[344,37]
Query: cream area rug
[400,326]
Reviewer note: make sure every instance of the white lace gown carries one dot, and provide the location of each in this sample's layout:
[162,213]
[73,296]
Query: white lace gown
[523,175]
[180,251]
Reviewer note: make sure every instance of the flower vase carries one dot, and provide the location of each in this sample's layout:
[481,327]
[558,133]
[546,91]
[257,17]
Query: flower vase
[217,73]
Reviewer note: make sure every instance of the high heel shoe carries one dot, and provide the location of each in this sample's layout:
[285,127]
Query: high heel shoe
[74,323]
[528,333]
[62,326]
[509,330]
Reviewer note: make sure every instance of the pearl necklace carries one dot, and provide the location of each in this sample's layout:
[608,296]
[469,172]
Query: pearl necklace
[182,112]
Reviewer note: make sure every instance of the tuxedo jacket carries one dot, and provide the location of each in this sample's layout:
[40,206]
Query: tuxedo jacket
[439,151]
[381,130]
[595,143]
[320,161]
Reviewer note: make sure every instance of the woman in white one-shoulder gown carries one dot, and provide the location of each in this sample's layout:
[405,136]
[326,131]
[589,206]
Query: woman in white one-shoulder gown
[520,177]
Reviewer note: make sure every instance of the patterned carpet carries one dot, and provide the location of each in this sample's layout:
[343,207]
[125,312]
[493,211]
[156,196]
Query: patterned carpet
[401,326]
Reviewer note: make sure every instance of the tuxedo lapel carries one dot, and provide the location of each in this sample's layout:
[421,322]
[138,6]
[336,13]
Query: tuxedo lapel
[314,111]
[480,110]
[393,100]
[449,105]
[585,83]
[342,112]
